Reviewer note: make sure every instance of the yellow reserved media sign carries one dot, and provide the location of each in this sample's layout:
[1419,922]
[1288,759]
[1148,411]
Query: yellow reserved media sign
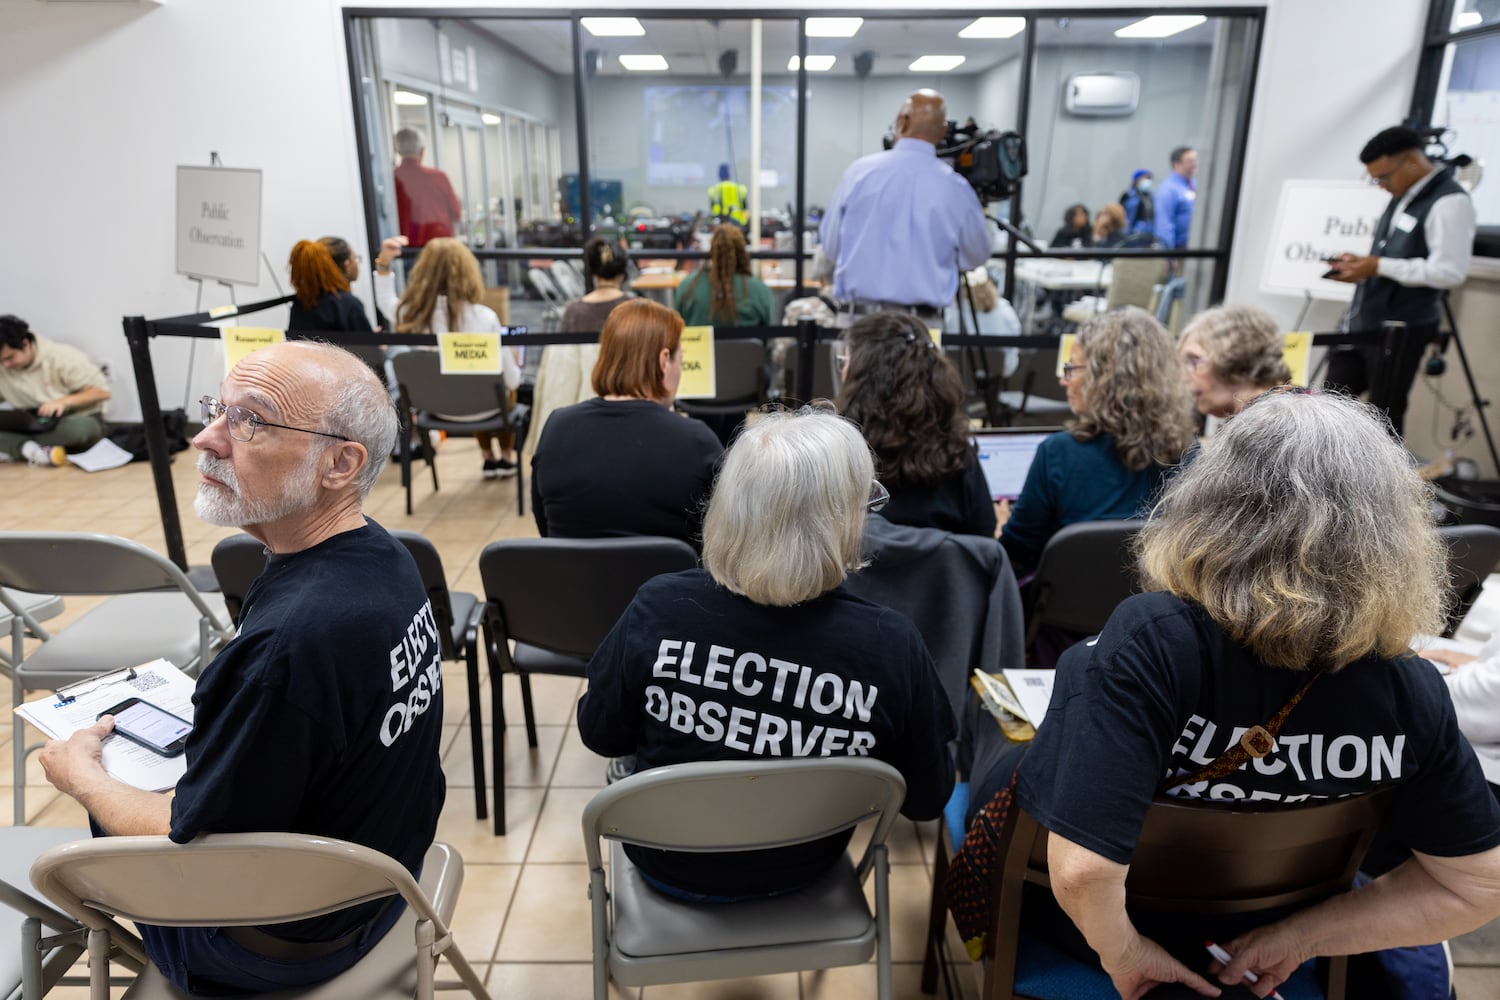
[242,341]
[699,380]
[1065,351]
[1296,350]
[469,353]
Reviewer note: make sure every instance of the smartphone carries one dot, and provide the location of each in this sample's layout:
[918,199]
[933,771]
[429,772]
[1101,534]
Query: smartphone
[154,728]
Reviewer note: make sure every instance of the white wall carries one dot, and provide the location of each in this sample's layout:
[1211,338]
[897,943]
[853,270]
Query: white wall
[108,98]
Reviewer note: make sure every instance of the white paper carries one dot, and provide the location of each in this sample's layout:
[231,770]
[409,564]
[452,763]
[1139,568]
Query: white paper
[157,682]
[104,455]
[1033,690]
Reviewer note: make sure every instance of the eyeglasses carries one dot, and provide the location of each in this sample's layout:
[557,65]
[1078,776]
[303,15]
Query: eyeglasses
[1379,179]
[1069,369]
[242,422]
[1192,362]
[879,496]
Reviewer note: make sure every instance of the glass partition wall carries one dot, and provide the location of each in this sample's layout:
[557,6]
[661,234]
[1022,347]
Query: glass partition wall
[554,128]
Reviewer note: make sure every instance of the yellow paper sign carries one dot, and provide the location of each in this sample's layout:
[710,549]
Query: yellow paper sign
[469,353]
[936,333]
[242,341]
[1296,350]
[219,312]
[1064,351]
[699,380]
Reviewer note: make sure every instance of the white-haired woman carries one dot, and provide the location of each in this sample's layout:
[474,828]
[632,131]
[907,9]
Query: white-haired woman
[1289,567]
[764,653]
[1230,355]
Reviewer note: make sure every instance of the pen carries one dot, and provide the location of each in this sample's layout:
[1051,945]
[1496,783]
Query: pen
[1226,958]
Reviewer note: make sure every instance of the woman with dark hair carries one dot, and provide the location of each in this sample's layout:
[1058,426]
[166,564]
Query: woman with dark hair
[731,295]
[623,463]
[907,399]
[1076,232]
[323,299]
[562,377]
[1132,424]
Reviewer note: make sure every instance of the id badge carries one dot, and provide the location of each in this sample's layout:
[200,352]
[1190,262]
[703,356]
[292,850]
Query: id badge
[1405,222]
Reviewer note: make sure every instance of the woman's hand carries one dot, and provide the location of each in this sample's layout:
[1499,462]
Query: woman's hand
[1272,952]
[1447,657]
[390,249]
[1145,965]
[1002,514]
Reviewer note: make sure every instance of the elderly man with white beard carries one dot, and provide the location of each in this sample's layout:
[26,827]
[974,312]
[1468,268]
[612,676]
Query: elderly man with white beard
[323,714]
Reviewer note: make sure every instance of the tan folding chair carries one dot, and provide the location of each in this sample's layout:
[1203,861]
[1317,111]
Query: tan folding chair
[244,879]
[642,937]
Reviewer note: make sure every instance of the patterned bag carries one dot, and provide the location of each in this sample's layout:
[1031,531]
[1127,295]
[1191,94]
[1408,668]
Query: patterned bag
[969,887]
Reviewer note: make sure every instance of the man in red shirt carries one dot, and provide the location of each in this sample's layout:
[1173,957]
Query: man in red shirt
[425,203]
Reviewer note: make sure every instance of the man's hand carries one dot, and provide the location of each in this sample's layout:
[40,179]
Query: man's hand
[1146,965]
[1347,267]
[76,764]
[1272,952]
[52,408]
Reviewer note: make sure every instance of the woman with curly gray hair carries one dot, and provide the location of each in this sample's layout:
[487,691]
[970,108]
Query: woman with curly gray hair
[1231,354]
[1133,423]
[1288,569]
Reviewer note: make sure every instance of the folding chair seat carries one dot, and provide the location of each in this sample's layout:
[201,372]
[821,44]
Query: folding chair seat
[32,609]
[26,965]
[642,937]
[154,611]
[245,879]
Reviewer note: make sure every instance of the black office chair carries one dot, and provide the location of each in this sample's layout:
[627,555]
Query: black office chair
[1473,554]
[459,405]
[557,598]
[237,561]
[740,377]
[1085,571]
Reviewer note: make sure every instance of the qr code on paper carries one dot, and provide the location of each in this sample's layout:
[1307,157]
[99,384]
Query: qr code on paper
[145,682]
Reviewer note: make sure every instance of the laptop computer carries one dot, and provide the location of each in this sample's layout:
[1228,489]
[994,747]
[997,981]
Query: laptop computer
[25,422]
[1005,455]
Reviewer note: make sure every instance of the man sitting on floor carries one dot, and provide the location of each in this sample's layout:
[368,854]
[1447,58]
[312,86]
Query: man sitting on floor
[60,383]
[323,715]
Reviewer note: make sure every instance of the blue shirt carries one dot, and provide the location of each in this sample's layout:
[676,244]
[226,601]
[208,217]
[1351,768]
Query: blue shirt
[1174,210]
[900,227]
[1071,481]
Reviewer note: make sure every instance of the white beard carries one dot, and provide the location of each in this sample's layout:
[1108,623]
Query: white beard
[228,507]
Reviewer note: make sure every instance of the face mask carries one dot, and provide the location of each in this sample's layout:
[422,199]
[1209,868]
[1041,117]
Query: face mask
[1144,187]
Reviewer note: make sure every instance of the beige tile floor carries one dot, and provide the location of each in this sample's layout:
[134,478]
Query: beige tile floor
[523,916]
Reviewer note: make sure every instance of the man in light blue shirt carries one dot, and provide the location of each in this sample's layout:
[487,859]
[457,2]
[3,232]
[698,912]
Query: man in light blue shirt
[1175,198]
[902,224]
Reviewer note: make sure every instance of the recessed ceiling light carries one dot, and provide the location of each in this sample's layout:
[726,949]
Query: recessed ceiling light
[612,27]
[1467,19]
[644,64]
[408,99]
[833,27]
[994,27]
[490,119]
[936,64]
[1160,25]
[815,64]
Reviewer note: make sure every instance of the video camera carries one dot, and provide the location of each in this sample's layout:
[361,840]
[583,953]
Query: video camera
[992,162]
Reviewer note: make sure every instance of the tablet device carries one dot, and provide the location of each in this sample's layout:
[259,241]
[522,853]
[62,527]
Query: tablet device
[1005,455]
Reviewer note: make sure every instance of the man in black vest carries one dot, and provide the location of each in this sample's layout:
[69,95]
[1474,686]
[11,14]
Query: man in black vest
[1423,246]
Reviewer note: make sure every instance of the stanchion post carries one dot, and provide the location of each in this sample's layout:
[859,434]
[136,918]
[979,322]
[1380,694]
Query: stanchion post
[138,336]
[807,343]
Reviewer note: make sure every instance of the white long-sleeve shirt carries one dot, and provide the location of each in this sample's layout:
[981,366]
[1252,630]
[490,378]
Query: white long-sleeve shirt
[1449,229]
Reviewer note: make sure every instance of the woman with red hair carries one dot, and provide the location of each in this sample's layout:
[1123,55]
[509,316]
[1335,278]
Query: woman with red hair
[324,301]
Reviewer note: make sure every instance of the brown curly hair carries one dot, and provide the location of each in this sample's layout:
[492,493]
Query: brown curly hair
[1243,344]
[314,273]
[446,268]
[907,399]
[1134,389]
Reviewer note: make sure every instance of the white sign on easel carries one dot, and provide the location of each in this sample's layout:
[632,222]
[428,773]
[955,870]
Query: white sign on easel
[218,224]
[1316,220]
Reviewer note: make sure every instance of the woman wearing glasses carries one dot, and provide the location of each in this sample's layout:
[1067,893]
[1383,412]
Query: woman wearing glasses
[321,283]
[1230,355]
[1133,422]
[763,652]
[907,399]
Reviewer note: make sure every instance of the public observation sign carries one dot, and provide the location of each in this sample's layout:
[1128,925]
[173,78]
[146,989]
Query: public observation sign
[698,375]
[1316,220]
[241,341]
[218,224]
[469,354]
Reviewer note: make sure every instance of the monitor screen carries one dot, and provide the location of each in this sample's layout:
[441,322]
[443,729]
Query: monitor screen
[1005,455]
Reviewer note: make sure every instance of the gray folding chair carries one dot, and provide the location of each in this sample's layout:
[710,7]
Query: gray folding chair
[557,598]
[642,937]
[245,879]
[459,405]
[741,376]
[32,609]
[1084,573]
[1473,554]
[237,561]
[28,967]
[154,612]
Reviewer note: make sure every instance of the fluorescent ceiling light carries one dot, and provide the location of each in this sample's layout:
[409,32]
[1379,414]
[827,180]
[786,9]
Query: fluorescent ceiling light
[1467,19]
[644,64]
[833,27]
[994,27]
[612,27]
[1160,26]
[936,64]
[490,119]
[815,64]
[408,99]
